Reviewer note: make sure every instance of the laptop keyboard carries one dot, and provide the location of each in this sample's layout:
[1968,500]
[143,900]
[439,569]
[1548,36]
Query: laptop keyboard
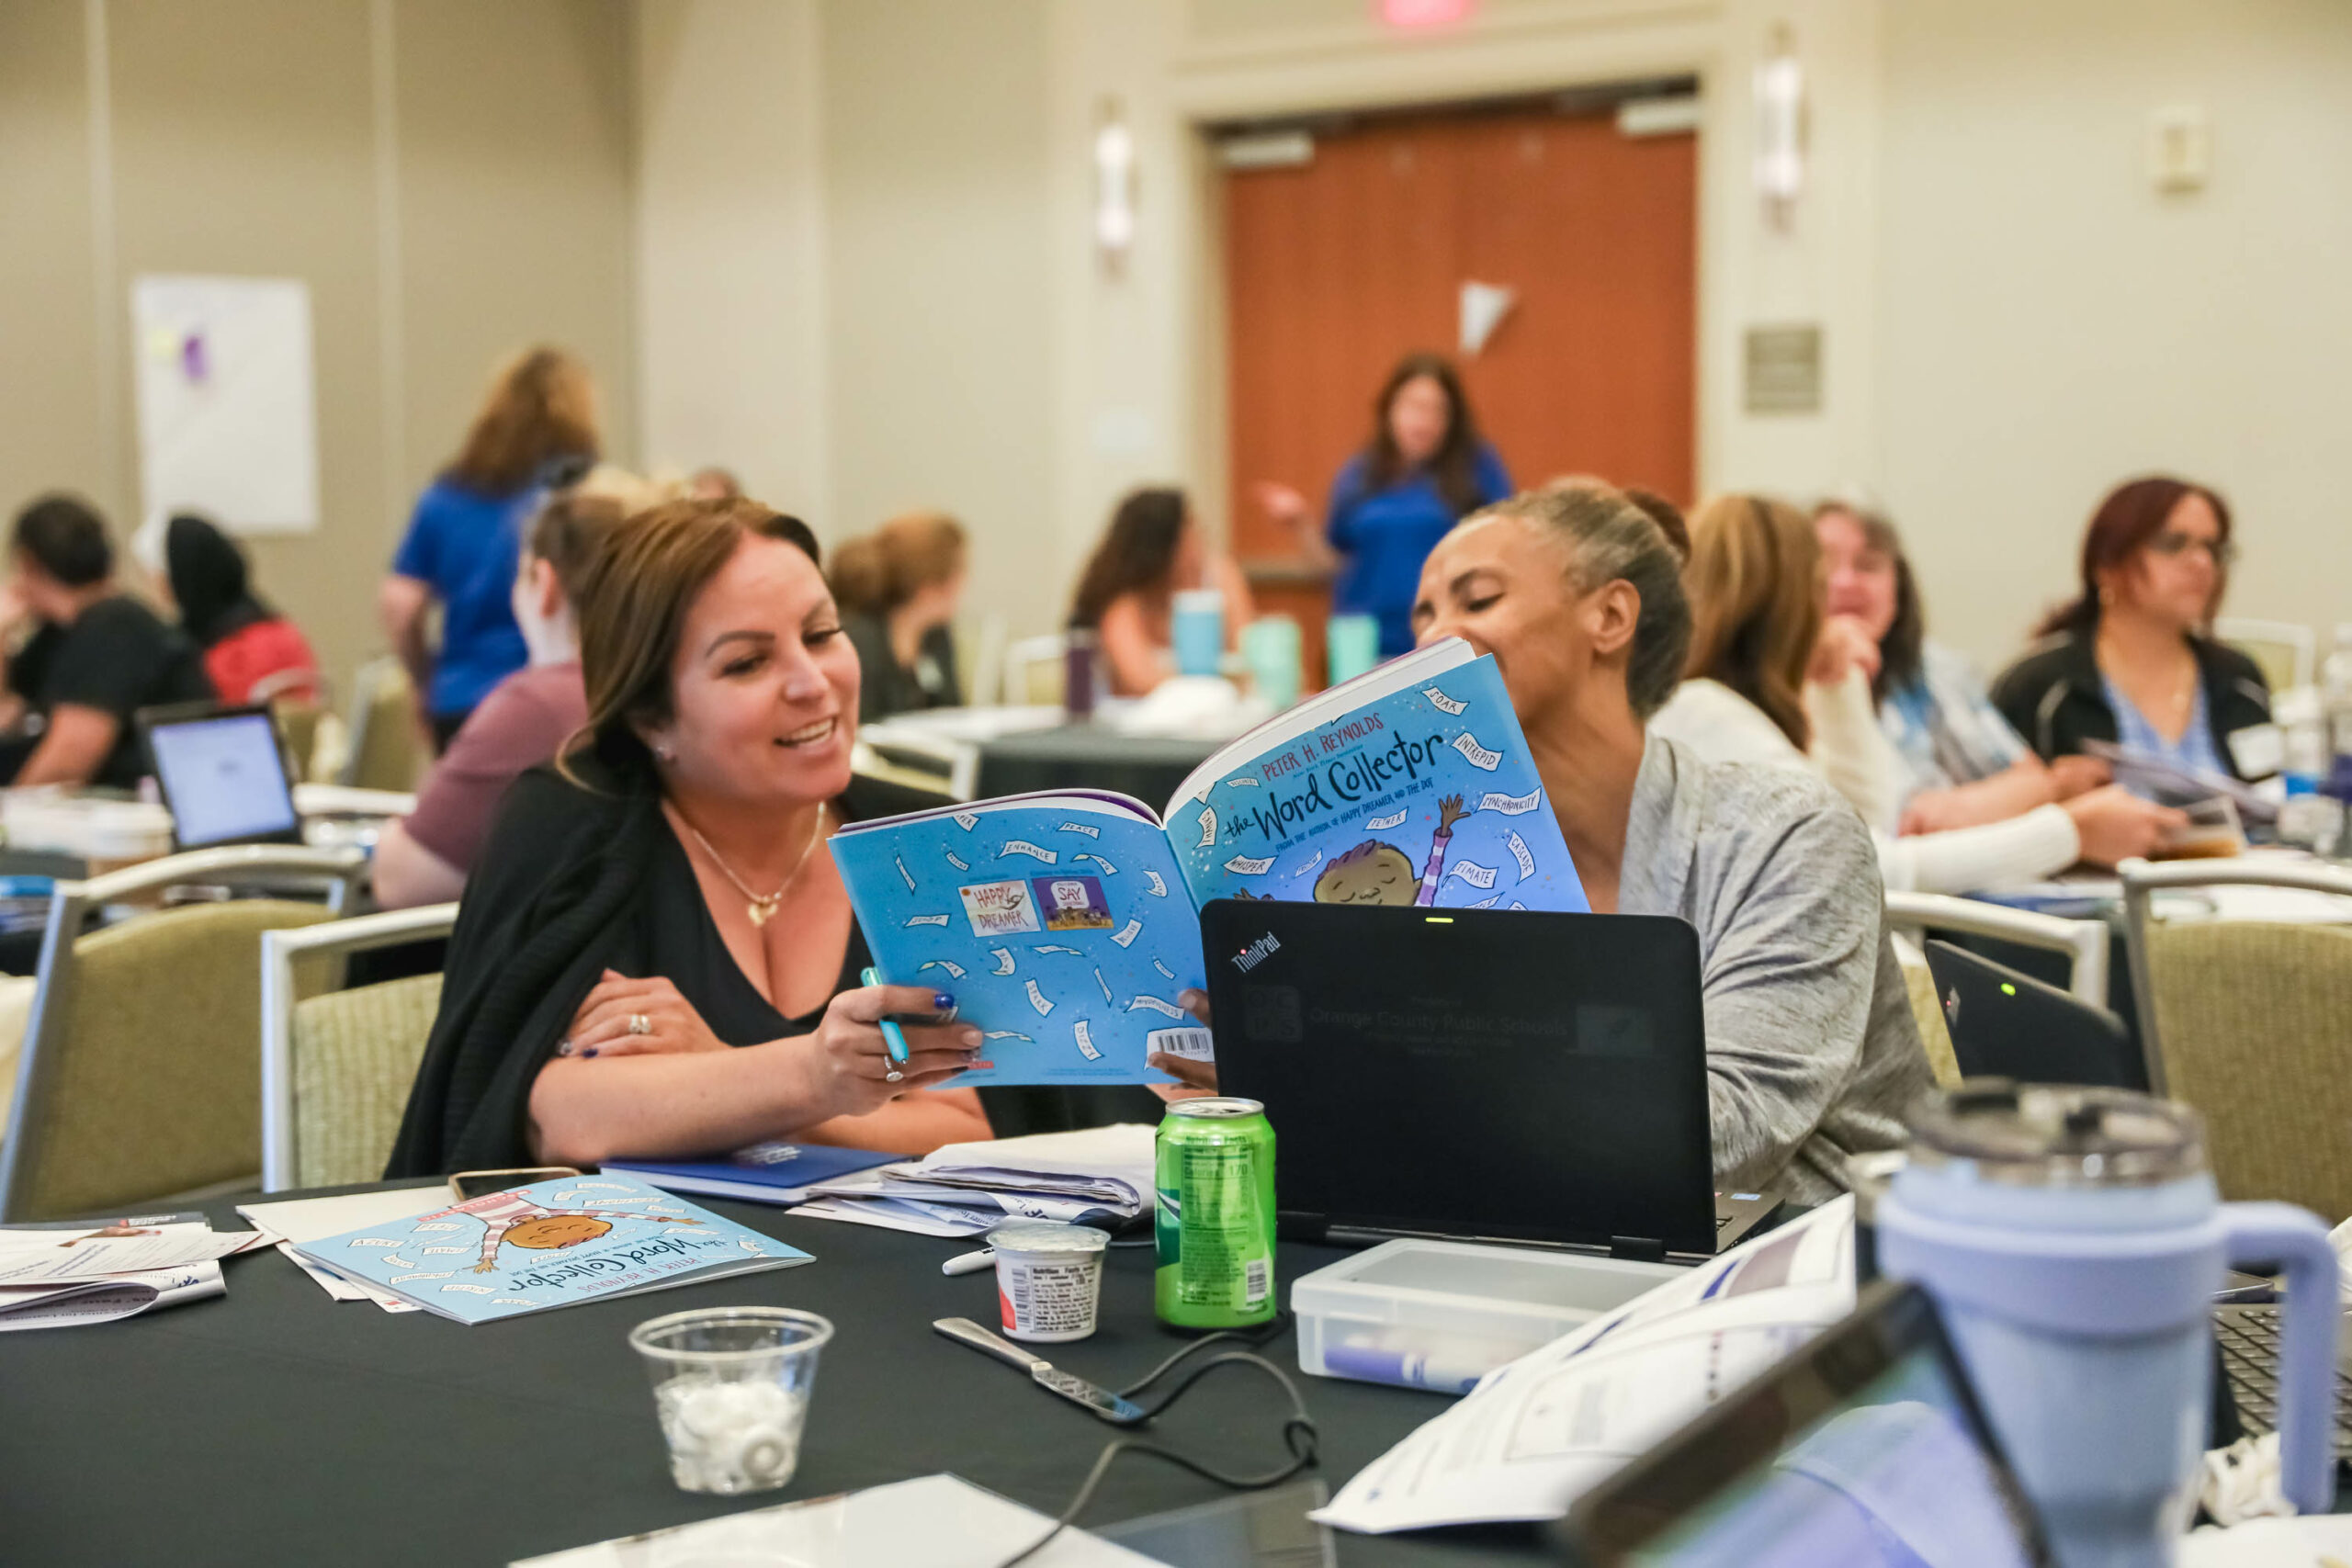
[2249,1337]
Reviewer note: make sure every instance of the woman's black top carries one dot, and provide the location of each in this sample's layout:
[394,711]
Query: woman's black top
[571,881]
[2056,698]
[887,686]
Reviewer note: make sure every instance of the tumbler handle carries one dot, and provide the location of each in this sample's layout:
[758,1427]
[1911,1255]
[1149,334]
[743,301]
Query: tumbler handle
[2295,1240]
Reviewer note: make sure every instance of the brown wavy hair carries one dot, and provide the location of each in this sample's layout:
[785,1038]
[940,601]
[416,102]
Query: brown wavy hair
[1902,652]
[632,609]
[1754,580]
[541,406]
[877,572]
[2133,512]
[1454,466]
[1137,554]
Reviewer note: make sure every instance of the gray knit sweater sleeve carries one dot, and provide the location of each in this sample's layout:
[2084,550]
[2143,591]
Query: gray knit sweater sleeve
[1812,1052]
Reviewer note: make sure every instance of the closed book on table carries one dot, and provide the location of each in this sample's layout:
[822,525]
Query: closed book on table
[764,1173]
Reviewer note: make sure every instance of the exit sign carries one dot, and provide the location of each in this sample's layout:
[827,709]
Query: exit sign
[1418,13]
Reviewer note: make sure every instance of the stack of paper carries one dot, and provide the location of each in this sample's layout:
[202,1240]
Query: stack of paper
[289,1223]
[56,1276]
[1102,1176]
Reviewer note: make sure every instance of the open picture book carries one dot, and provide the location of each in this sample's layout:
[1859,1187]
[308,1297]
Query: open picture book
[1065,923]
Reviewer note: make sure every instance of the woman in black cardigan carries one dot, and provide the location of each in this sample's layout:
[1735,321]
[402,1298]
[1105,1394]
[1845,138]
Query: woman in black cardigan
[655,958]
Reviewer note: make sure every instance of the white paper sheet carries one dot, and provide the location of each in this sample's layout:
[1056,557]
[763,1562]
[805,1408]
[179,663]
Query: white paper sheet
[1536,1432]
[227,407]
[105,1301]
[290,1221]
[48,1262]
[942,1521]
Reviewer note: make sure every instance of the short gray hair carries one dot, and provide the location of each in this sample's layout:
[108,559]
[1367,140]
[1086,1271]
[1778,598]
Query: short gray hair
[1610,538]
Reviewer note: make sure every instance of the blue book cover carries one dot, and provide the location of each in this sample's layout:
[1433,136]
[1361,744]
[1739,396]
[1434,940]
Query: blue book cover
[552,1243]
[764,1173]
[1065,923]
[1410,784]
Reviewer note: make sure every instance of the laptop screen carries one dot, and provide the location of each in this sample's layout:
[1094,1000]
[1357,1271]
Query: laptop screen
[224,779]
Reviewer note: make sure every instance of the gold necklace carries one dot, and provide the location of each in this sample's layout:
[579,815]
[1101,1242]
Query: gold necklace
[762,907]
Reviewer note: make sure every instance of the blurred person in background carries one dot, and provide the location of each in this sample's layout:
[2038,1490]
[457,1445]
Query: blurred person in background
[1423,469]
[1774,682]
[1152,550]
[1963,764]
[2131,658]
[252,653]
[91,656]
[463,541]
[899,589]
[425,856]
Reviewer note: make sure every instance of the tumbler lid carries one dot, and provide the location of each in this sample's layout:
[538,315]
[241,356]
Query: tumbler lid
[2045,1135]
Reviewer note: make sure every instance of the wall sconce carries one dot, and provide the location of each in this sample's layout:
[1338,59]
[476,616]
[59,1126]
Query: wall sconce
[1780,128]
[1115,187]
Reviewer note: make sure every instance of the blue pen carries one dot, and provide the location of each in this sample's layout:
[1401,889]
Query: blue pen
[892,1035]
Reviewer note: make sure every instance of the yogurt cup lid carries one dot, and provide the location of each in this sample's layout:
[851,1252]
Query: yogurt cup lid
[1043,1235]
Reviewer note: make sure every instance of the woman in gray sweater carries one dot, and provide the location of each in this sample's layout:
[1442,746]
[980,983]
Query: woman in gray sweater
[1812,1053]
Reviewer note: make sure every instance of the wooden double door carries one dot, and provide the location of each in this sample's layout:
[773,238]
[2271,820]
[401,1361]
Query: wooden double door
[1337,266]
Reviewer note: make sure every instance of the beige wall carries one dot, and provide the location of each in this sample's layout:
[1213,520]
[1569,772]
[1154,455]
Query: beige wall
[452,180]
[2054,325]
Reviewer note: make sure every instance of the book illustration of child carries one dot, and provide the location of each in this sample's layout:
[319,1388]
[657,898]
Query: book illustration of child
[1377,872]
[511,1219]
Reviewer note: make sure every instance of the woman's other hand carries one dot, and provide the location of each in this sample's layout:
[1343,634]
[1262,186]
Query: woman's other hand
[1845,645]
[1284,504]
[852,1061]
[2115,825]
[2076,775]
[1196,1079]
[602,1026]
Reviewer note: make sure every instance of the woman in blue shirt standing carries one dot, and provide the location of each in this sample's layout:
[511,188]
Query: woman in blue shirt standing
[1424,469]
[463,540]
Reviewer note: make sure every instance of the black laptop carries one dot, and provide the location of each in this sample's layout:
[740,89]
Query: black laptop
[1478,1074]
[2006,1024]
[224,774]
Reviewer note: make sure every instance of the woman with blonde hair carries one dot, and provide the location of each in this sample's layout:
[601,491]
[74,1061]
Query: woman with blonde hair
[655,957]
[536,425]
[1773,682]
[899,588]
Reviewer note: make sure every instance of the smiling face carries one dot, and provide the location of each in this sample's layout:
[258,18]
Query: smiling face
[764,685]
[2174,576]
[1860,574]
[1372,873]
[1505,584]
[551,1232]
[1418,417]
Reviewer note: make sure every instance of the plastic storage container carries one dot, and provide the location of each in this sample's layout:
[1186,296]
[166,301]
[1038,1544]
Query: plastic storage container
[1441,1315]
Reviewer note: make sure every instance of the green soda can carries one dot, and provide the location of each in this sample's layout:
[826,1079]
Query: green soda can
[1214,1214]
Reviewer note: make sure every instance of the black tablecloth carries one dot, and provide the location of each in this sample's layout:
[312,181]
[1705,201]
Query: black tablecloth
[1089,756]
[275,1426]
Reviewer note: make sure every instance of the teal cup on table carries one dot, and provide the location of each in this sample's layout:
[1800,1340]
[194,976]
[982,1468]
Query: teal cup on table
[1197,629]
[1352,646]
[1270,645]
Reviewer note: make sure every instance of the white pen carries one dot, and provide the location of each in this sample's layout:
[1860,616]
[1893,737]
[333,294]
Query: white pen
[969,1263]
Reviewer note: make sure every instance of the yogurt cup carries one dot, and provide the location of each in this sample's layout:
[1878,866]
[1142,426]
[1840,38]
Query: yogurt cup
[1049,1279]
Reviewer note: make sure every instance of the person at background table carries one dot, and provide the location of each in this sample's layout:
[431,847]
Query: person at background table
[1961,762]
[655,957]
[252,653]
[1812,1053]
[462,540]
[1423,469]
[2131,658]
[527,719]
[899,589]
[1773,682]
[1152,550]
[90,658]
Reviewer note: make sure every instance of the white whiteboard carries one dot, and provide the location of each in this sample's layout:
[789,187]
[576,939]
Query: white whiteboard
[228,406]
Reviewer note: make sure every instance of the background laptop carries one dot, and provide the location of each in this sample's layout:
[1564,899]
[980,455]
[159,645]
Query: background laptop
[223,773]
[1866,1449]
[2009,1025]
[1501,1075]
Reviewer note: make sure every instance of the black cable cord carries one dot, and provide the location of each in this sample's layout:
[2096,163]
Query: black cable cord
[1299,1435]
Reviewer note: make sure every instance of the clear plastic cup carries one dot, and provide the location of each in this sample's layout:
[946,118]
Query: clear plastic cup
[731,1387]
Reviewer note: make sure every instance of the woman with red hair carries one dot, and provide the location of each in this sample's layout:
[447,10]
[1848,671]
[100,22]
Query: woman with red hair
[2131,658]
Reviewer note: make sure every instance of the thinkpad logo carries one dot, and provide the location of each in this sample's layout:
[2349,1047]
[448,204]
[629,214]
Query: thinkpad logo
[1250,957]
